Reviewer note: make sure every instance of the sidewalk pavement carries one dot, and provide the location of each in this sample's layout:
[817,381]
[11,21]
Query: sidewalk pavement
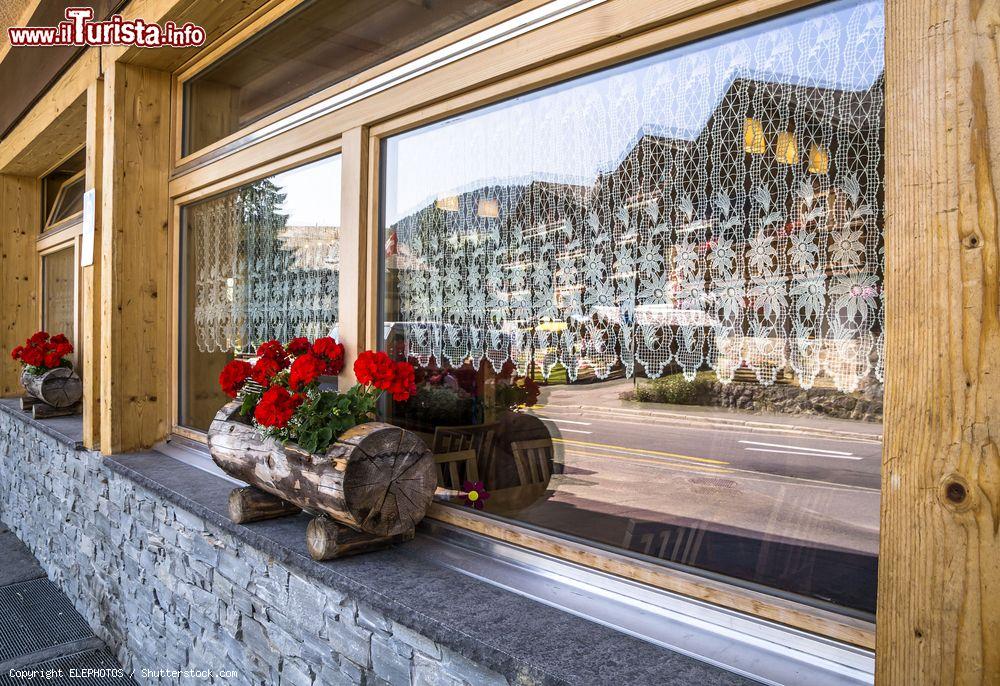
[603,399]
[41,632]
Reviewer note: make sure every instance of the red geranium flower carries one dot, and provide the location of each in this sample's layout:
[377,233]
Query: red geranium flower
[33,356]
[298,346]
[16,352]
[476,494]
[264,370]
[381,371]
[305,370]
[403,385]
[234,376]
[38,337]
[276,407]
[332,352]
[272,350]
[374,369]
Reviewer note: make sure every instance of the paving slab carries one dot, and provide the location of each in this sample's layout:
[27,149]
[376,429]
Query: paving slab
[42,636]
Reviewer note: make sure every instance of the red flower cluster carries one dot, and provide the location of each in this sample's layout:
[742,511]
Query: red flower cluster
[276,407]
[234,377]
[291,406]
[381,371]
[42,350]
[306,363]
[325,356]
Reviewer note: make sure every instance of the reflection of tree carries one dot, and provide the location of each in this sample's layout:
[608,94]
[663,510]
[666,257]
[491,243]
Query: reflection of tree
[257,277]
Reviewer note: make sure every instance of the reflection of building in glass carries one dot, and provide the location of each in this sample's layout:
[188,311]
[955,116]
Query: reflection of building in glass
[757,243]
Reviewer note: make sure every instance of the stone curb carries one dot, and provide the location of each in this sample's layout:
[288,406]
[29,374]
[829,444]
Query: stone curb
[659,417]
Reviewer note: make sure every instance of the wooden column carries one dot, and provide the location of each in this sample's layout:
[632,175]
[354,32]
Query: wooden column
[20,208]
[135,249]
[939,571]
[353,293]
[90,285]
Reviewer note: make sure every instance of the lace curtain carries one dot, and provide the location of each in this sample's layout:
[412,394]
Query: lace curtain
[734,217]
[255,277]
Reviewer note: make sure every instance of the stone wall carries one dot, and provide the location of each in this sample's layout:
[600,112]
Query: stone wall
[165,589]
[864,404]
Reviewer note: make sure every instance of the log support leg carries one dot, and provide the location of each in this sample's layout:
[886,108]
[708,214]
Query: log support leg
[326,540]
[250,504]
[26,402]
[40,410]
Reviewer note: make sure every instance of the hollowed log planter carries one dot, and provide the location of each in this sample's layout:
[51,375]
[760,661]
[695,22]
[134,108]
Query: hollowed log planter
[371,487]
[54,393]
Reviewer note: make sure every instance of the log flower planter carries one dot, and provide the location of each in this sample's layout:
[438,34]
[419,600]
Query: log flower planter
[59,387]
[51,386]
[299,445]
[369,489]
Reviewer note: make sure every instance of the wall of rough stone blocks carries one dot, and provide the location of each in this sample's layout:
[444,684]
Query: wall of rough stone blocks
[164,589]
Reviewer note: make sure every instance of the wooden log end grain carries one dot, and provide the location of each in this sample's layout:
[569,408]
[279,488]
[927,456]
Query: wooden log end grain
[327,540]
[389,480]
[250,504]
[59,387]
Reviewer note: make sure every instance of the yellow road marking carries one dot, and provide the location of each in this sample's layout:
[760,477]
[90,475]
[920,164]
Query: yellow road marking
[660,463]
[614,448]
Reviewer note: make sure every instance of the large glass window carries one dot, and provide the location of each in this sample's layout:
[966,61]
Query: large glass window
[59,292]
[647,303]
[260,262]
[317,45]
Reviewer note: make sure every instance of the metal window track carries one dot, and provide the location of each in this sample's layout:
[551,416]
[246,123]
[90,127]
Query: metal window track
[757,648]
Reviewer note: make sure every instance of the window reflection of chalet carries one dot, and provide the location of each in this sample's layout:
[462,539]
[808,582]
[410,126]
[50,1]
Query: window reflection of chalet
[809,150]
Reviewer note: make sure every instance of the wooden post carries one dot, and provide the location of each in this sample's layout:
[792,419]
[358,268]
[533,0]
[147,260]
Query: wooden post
[353,247]
[90,286]
[20,207]
[135,266]
[939,569]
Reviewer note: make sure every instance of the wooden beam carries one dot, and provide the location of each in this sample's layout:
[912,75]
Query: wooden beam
[90,286]
[55,126]
[135,272]
[217,17]
[939,569]
[353,247]
[20,209]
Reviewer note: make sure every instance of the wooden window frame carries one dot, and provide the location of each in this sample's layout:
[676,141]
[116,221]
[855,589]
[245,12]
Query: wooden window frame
[69,235]
[608,33]
[265,168]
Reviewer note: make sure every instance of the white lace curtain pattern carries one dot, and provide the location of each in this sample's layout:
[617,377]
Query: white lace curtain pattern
[256,278]
[741,225]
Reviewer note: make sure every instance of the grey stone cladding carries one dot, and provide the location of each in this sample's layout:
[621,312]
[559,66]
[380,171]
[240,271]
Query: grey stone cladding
[167,590]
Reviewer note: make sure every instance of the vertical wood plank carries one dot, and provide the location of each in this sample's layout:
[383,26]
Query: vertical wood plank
[939,568]
[353,247]
[135,272]
[20,221]
[90,286]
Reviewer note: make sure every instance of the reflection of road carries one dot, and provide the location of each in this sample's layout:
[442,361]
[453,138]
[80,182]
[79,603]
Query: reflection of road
[830,460]
[776,485]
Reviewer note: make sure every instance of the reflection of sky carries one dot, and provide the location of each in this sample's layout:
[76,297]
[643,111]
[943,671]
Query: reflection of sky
[313,193]
[571,132]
